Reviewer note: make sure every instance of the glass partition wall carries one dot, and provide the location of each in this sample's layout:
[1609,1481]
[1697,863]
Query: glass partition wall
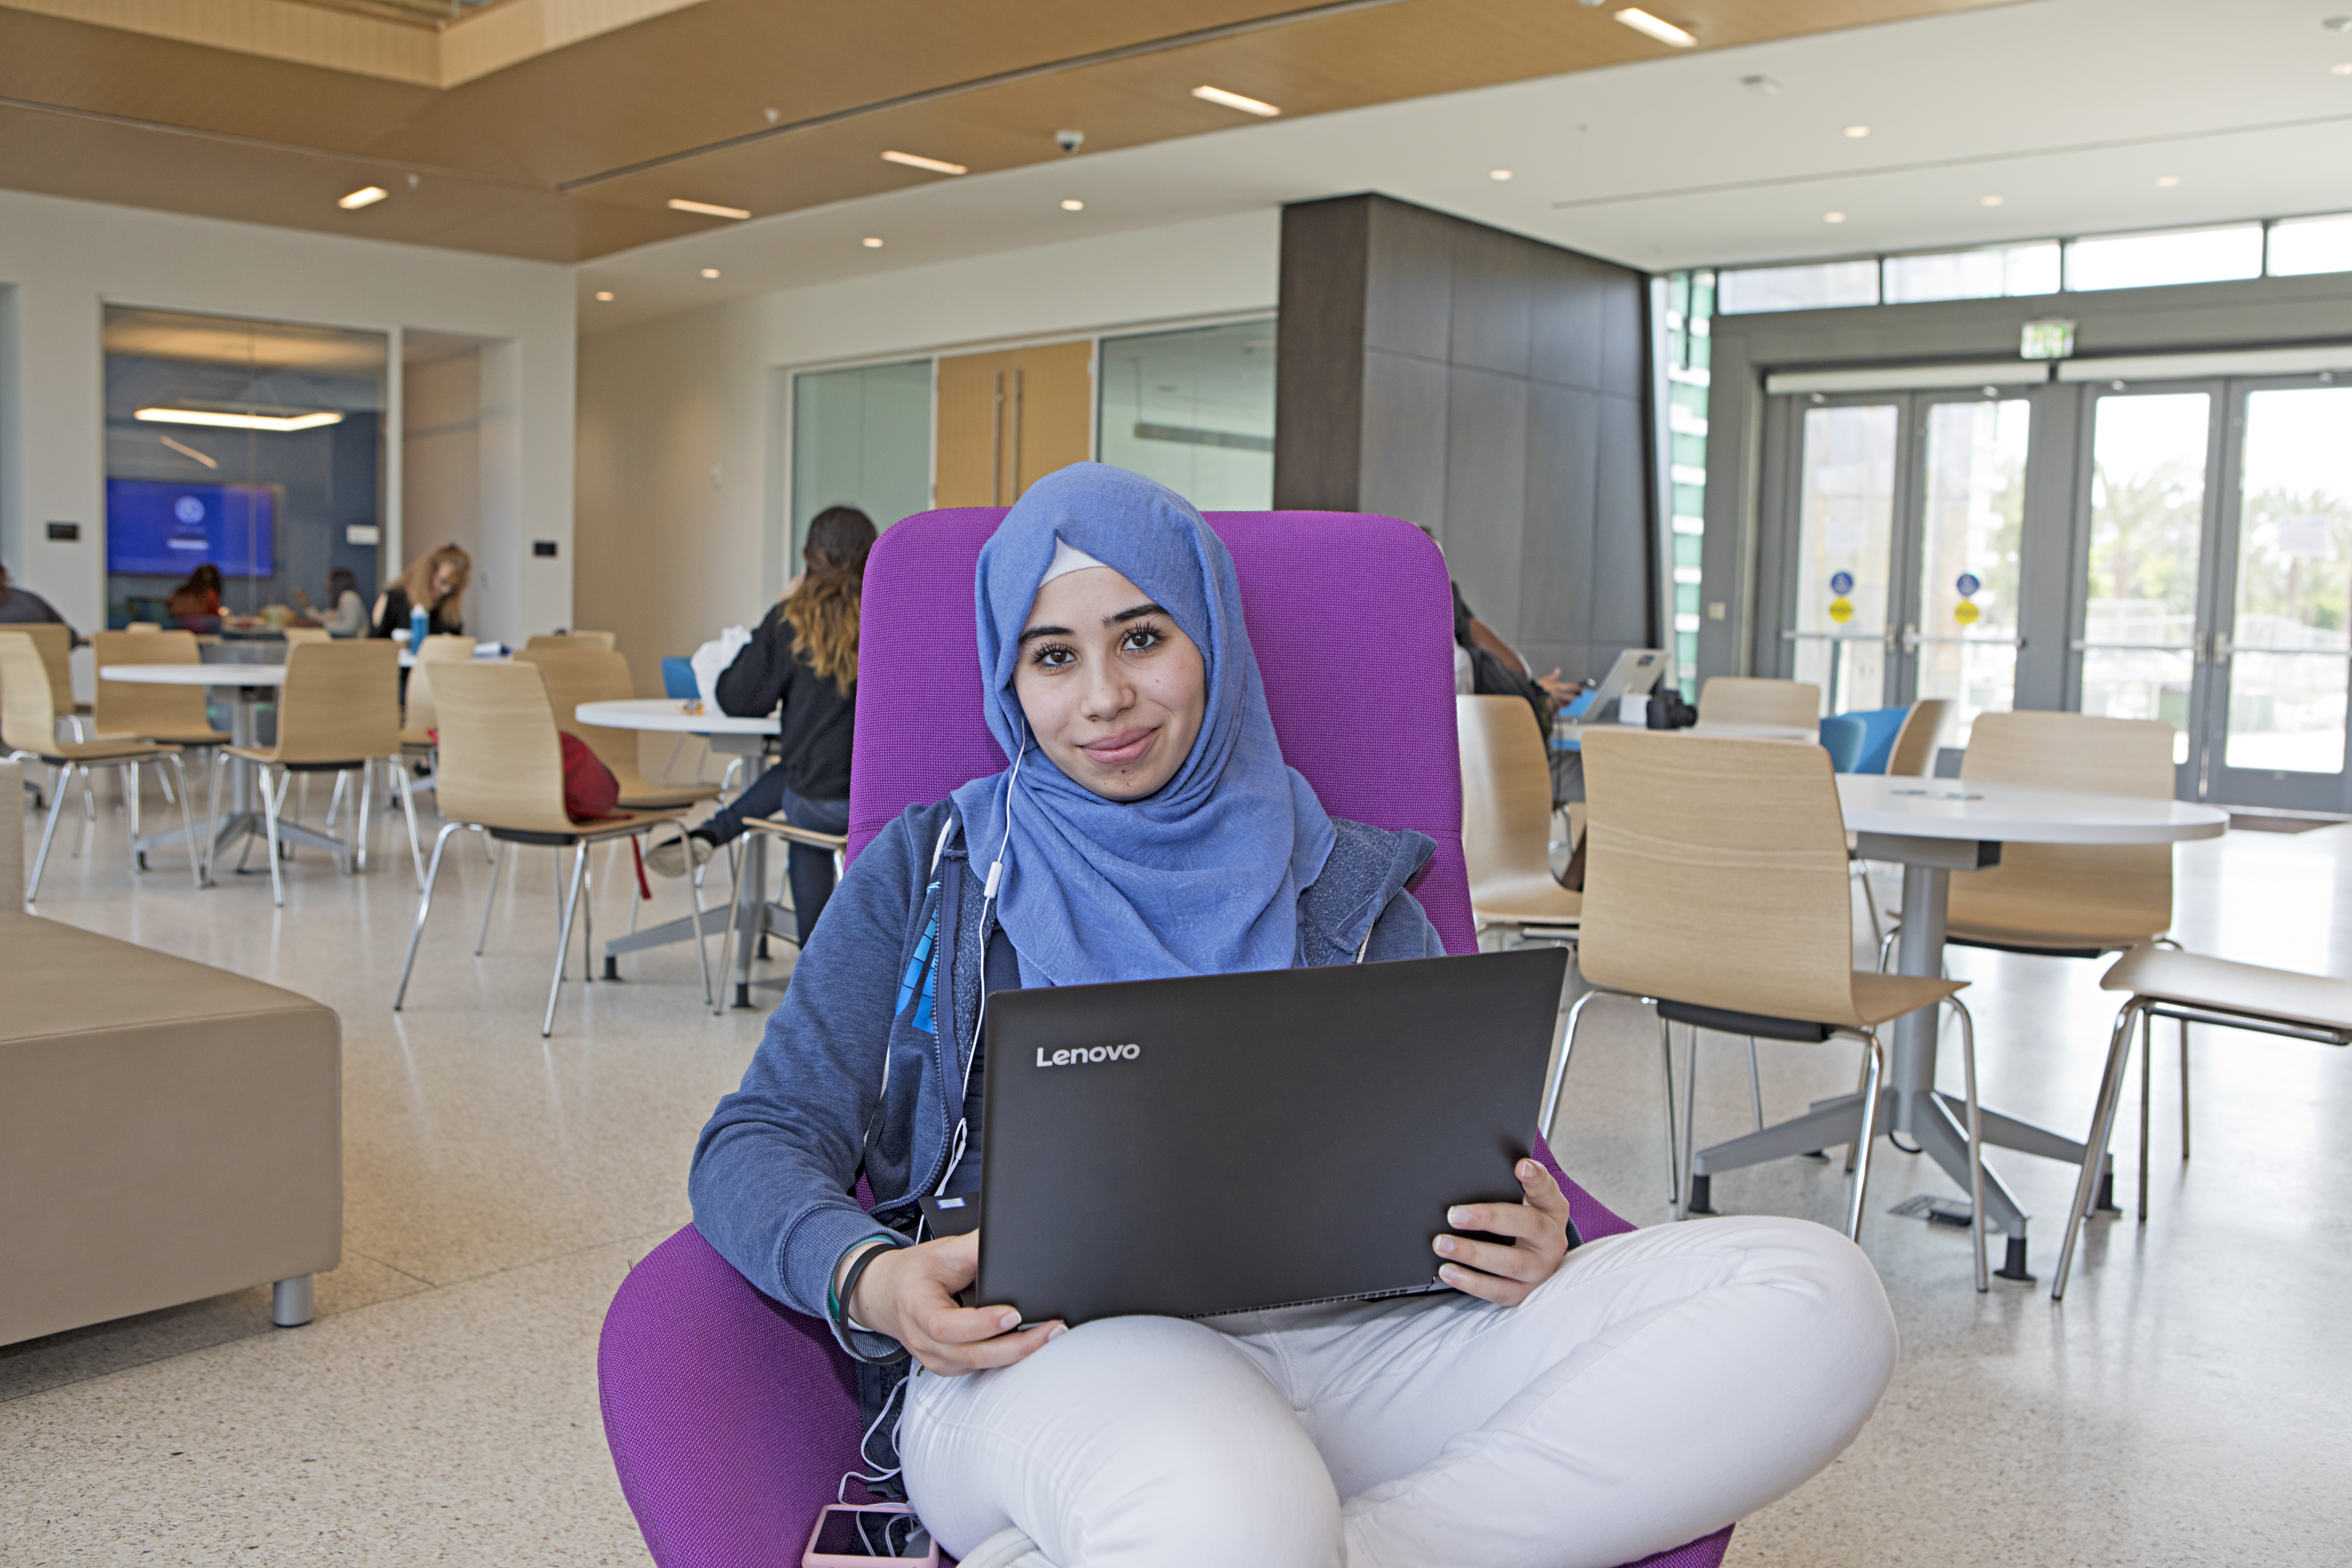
[253,449]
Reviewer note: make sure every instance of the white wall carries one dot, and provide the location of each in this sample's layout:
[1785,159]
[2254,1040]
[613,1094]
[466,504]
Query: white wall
[62,261]
[679,492]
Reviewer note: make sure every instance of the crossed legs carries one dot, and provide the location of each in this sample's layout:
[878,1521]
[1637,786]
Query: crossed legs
[1663,1385]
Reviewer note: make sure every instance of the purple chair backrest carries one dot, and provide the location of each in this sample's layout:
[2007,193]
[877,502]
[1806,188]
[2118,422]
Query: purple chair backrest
[1353,624]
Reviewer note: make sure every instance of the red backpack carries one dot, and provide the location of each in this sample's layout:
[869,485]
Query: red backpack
[589,791]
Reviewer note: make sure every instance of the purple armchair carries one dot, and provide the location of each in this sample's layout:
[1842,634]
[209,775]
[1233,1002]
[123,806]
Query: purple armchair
[730,1416]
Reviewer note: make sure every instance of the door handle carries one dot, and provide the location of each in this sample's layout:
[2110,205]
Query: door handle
[1911,639]
[2222,647]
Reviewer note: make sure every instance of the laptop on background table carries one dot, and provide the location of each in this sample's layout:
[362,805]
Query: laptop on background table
[1226,1143]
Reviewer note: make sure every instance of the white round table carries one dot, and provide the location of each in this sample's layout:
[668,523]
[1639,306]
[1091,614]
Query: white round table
[1933,828]
[245,685]
[754,916]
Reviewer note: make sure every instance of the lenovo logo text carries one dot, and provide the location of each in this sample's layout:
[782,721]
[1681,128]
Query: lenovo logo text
[1086,1054]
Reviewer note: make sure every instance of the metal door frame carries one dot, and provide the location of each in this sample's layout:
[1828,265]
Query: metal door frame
[1784,466]
[1911,521]
[2209,745]
[2189,775]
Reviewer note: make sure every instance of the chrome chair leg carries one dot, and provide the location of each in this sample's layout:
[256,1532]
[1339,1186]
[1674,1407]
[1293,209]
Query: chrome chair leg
[211,808]
[482,936]
[1755,1084]
[1870,1082]
[2094,1149]
[131,791]
[702,948]
[355,857]
[1976,1139]
[335,801]
[408,809]
[271,802]
[2184,1091]
[1690,1112]
[1559,1068]
[60,776]
[563,935]
[423,907]
[2147,1077]
[187,825]
[1674,1155]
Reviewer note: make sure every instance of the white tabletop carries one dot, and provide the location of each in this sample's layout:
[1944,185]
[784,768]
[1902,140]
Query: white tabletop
[2014,814]
[668,714]
[1570,734]
[196,674]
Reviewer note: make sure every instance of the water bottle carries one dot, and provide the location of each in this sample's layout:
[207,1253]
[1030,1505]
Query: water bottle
[419,625]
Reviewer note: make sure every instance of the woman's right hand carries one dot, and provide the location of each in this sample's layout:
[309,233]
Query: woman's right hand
[908,1293]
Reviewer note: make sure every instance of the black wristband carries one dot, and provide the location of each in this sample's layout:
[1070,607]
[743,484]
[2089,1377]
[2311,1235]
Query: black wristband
[840,1308]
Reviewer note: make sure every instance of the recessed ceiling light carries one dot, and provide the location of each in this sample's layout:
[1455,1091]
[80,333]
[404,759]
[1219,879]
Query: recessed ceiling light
[711,272]
[1256,106]
[1072,204]
[292,419]
[1834,217]
[915,161]
[1987,201]
[2343,69]
[871,242]
[365,196]
[1856,133]
[708,209]
[605,296]
[1498,174]
[2338,24]
[2167,182]
[1665,32]
[1763,84]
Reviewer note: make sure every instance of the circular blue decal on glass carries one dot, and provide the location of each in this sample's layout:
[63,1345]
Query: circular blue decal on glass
[1967,585]
[188,509]
[1842,583]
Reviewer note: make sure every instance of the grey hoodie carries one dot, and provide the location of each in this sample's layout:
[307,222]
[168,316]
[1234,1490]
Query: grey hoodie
[853,1075]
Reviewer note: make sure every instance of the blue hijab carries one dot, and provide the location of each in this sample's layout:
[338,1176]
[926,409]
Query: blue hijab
[1202,877]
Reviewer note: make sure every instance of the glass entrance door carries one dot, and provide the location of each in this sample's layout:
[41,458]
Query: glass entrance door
[1961,631]
[1848,462]
[2279,646]
[2143,636]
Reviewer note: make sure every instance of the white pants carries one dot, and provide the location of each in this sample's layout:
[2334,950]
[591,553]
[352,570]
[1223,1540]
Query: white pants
[1661,1385]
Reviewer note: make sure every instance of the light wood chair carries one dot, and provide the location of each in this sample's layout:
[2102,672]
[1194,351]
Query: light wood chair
[502,773]
[29,726]
[337,712]
[1506,824]
[1744,700]
[168,715]
[1714,890]
[1916,744]
[2170,983]
[575,675]
[308,634]
[602,642]
[56,644]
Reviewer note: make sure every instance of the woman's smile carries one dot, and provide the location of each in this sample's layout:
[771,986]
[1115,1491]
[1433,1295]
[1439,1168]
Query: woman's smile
[1123,749]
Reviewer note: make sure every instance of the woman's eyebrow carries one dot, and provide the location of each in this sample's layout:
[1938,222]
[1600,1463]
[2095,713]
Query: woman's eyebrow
[1043,632]
[1130,614]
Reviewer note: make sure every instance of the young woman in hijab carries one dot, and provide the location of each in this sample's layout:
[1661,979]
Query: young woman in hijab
[1564,1407]
[801,665]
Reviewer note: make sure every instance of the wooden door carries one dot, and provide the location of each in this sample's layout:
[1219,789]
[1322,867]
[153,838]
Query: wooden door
[1007,419]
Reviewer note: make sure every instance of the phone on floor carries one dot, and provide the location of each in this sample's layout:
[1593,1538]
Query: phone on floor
[849,1535]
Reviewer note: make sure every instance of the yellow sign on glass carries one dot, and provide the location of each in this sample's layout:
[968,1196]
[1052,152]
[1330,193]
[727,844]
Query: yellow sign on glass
[1966,613]
[1841,610]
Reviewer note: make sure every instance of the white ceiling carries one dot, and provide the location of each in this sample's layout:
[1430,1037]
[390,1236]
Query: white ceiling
[2069,111]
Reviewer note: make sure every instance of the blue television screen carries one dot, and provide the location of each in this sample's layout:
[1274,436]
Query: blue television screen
[159,530]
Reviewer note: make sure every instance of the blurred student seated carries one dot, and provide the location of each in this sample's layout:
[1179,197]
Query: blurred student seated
[802,660]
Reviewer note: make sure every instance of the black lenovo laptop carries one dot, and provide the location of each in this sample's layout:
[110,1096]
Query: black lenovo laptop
[1190,1147]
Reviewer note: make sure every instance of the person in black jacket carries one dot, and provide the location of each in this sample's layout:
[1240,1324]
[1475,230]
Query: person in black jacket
[803,659]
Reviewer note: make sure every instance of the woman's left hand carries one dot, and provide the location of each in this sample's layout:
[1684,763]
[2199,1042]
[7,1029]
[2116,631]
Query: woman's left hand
[1508,1275]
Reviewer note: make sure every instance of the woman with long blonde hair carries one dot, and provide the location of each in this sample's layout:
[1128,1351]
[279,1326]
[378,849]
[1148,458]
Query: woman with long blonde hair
[802,661]
[435,581]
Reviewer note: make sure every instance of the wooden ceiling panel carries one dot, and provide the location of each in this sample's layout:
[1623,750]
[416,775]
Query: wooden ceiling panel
[532,160]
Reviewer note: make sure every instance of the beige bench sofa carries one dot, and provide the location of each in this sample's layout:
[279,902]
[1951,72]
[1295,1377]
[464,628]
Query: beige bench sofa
[168,1130]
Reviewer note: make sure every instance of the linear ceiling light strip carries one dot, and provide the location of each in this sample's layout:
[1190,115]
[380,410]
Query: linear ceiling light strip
[981,84]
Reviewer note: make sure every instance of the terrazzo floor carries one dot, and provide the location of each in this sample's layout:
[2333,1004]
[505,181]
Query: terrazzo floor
[2185,1404]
